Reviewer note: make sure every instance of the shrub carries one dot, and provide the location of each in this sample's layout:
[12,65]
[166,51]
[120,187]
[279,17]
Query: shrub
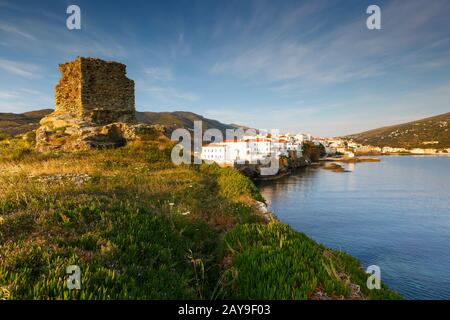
[4,136]
[15,149]
[231,183]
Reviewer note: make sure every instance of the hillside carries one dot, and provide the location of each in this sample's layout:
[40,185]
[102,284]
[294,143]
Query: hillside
[13,124]
[432,132]
[182,119]
[140,227]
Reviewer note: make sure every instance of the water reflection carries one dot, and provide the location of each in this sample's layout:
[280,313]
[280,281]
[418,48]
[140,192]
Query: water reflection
[395,213]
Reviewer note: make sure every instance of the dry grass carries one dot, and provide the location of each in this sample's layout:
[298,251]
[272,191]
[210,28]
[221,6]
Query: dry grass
[141,228]
[128,217]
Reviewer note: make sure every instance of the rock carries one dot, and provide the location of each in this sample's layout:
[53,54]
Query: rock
[94,108]
[247,170]
[78,178]
[335,168]
[85,136]
[262,210]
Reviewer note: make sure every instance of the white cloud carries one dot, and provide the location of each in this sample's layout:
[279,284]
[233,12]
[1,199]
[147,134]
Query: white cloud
[268,117]
[25,70]
[22,100]
[8,95]
[361,113]
[158,73]
[53,36]
[15,107]
[170,95]
[14,31]
[346,52]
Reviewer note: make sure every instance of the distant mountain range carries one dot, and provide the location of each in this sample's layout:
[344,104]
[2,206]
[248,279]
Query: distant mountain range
[183,119]
[12,123]
[432,132]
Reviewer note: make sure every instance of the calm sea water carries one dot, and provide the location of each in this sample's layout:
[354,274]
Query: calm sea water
[394,214]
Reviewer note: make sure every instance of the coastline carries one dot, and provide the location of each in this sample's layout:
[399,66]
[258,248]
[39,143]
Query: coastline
[274,177]
[402,154]
[310,213]
[352,279]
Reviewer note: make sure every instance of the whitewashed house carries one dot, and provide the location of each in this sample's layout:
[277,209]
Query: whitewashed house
[259,149]
[296,147]
[237,151]
[251,149]
[279,148]
[214,152]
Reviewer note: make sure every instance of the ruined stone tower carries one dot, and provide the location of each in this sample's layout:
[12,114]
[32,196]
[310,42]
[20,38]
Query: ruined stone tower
[94,107]
[95,90]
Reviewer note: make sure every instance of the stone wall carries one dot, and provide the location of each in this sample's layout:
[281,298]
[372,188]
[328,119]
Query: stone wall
[96,91]
[94,108]
[68,90]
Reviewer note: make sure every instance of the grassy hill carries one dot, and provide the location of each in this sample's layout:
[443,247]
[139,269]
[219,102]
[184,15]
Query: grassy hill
[13,124]
[140,227]
[433,132]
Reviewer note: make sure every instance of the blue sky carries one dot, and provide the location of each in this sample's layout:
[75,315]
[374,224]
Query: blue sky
[309,66]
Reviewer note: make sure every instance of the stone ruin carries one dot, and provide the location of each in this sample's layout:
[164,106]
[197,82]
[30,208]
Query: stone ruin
[95,91]
[94,108]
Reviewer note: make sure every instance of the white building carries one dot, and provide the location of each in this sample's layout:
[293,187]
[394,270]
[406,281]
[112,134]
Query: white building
[250,149]
[296,147]
[214,152]
[260,148]
[279,148]
[391,150]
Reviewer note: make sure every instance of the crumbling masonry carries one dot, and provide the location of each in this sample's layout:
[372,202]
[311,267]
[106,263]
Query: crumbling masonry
[94,108]
[95,90]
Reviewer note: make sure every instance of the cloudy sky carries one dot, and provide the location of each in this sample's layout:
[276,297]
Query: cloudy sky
[310,66]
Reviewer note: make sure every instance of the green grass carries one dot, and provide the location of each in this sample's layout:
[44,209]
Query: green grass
[142,228]
[14,149]
[231,183]
[275,262]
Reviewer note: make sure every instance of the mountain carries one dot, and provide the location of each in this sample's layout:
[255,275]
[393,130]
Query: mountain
[432,132]
[183,119]
[12,123]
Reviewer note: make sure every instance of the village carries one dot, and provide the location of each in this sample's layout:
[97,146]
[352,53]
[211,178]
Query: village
[368,149]
[256,148]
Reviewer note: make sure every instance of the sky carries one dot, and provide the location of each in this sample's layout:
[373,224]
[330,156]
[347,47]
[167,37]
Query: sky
[295,66]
